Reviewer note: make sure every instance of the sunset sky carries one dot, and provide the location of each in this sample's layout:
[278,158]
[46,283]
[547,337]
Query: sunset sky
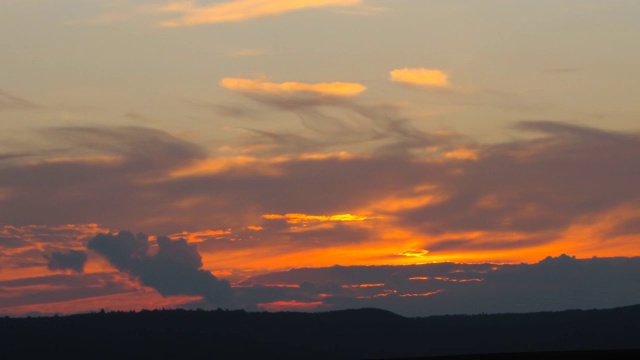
[244,137]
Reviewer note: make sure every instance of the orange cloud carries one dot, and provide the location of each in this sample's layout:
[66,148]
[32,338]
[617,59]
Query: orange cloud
[304,218]
[200,236]
[240,10]
[462,154]
[420,77]
[268,88]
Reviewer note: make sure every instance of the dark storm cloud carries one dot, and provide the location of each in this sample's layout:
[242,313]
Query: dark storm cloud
[72,260]
[173,270]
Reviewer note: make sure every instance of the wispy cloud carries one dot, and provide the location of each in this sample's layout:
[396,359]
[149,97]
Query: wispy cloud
[191,13]
[9,101]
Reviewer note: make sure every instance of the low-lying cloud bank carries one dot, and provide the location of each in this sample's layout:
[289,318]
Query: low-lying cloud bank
[173,270]
[558,283]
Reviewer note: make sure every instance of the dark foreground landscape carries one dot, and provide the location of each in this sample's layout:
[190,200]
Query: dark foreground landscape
[350,334]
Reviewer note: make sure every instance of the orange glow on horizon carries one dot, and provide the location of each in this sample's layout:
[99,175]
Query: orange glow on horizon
[359,286]
[136,300]
[422,294]
[290,305]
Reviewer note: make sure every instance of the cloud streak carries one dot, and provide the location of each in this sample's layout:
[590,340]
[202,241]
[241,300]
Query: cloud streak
[260,87]
[11,102]
[191,13]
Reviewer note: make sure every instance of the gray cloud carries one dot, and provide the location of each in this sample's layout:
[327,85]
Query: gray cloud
[12,242]
[538,185]
[555,283]
[338,122]
[72,191]
[174,270]
[72,260]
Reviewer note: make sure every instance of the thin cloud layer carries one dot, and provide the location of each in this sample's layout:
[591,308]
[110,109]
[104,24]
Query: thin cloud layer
[335,123]
[191,13]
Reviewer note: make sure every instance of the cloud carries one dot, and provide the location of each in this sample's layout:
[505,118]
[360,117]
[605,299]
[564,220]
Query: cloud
[173,270]
[260,87]
[12,102]
[562,187]
[108,164]
[532,186]
[335,122]
[240,10]
[441,92]
[72,260]
[60,288]
[553,284]
[421,77]
[304,218]
[73,293]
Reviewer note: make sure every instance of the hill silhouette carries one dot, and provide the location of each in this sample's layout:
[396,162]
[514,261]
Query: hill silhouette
[347,334]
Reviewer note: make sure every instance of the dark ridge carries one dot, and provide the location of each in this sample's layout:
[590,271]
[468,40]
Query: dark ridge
[346,334]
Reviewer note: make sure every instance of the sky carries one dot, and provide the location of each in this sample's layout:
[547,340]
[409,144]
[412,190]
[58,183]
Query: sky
[171,153]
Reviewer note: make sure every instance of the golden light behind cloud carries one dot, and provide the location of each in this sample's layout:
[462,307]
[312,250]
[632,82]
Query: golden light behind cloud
[462,154]
[303,218]
[240,10]
[269,88]
[420,77]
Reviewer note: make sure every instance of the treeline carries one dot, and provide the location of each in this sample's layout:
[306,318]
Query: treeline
[349,334]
